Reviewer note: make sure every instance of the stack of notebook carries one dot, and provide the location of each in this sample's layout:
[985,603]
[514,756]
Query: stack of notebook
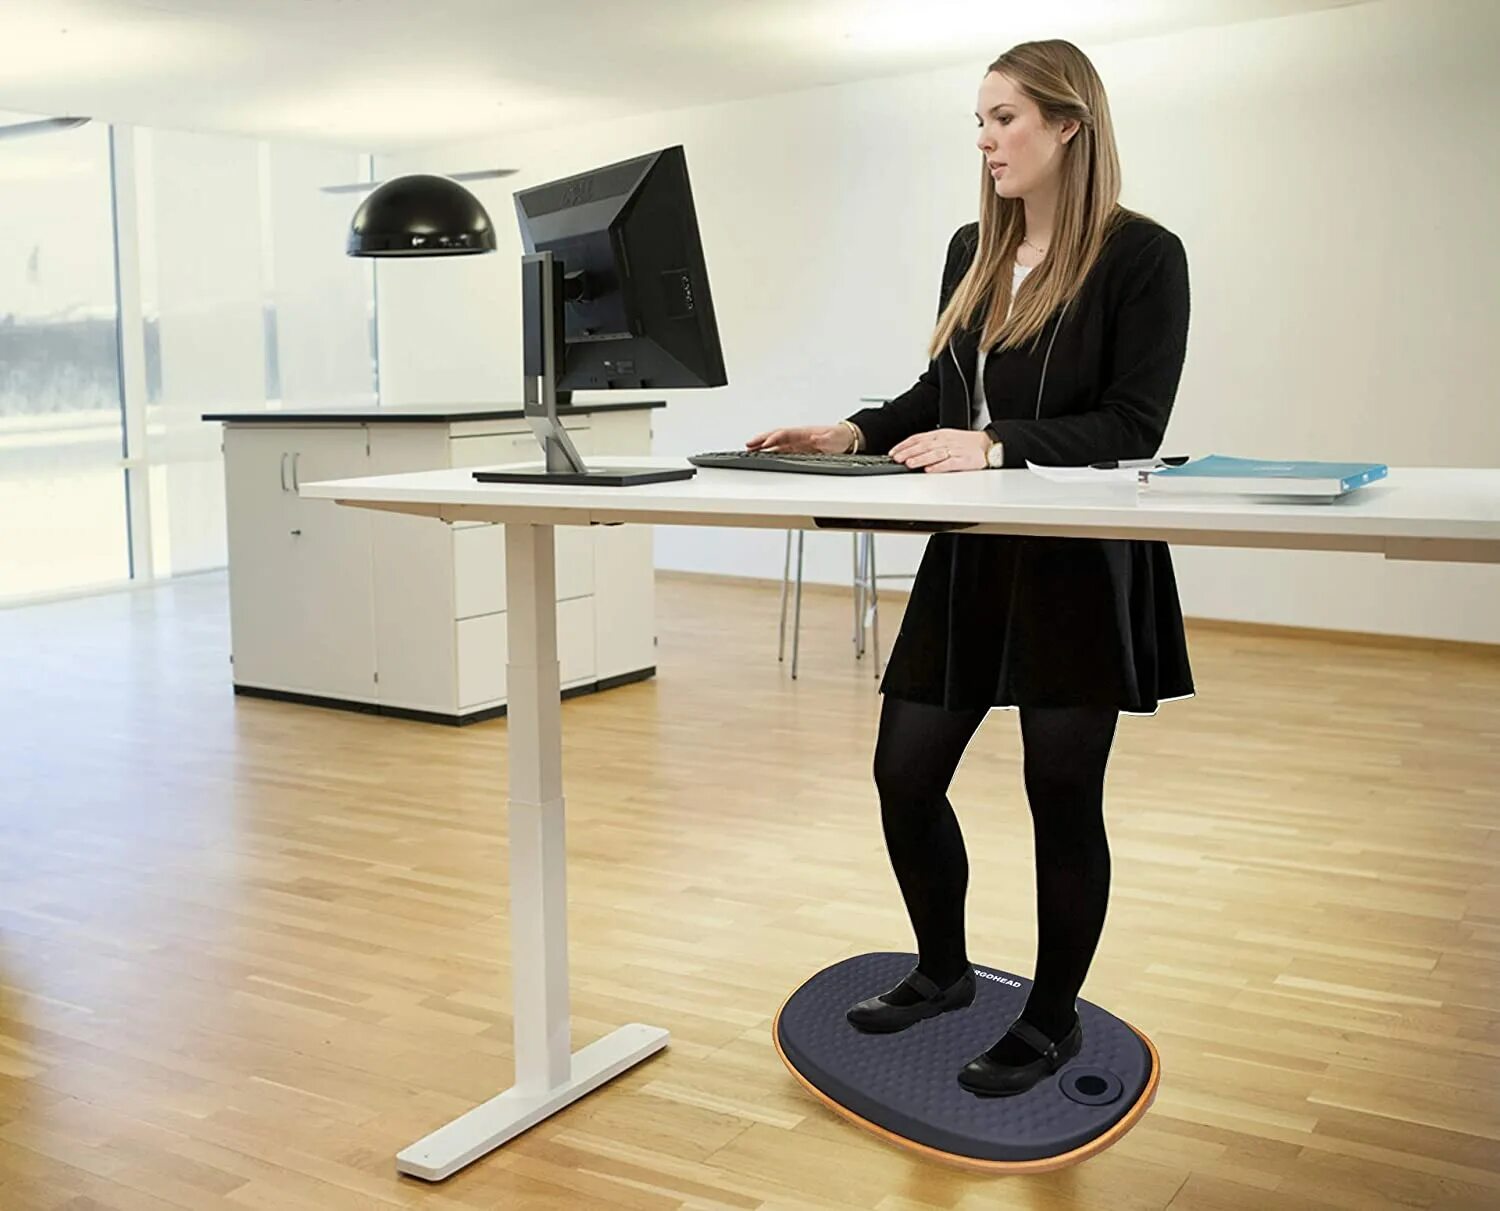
[1219,475]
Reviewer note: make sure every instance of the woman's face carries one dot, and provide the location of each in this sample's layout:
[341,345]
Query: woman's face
[1023,150]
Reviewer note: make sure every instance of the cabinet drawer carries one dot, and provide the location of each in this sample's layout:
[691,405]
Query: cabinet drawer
[479,567]
[575,640]
[482,652]
[481,661]
[621,432]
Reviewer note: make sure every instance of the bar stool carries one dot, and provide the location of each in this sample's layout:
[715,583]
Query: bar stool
[866,583]
[866,595]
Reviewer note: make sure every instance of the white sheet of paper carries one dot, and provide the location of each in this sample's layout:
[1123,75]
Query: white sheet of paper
[1087,475]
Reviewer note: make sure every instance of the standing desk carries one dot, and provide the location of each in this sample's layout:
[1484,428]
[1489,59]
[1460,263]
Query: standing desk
[1417,513]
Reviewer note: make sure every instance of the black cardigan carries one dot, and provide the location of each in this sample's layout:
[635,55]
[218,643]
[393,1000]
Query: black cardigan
[1111,376]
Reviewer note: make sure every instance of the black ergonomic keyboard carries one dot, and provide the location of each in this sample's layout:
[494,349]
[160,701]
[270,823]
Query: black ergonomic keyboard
[807,464]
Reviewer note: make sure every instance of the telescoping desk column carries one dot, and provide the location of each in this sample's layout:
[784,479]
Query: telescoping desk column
[1421,513]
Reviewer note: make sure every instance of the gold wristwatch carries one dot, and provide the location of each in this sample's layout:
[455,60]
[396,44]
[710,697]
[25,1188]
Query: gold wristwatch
[995,455]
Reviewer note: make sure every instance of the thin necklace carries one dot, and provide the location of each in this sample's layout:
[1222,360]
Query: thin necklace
[1024,240]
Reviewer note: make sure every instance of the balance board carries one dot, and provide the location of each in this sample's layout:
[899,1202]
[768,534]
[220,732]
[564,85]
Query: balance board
[904,1087]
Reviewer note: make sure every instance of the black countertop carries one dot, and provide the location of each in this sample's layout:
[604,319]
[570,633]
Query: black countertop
[416,413]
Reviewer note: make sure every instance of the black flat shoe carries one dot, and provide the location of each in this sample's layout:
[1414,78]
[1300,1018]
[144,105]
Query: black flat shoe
[879,1016]
[984,1077]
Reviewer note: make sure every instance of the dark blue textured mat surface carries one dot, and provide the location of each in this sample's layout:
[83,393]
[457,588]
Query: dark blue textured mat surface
[906,1082]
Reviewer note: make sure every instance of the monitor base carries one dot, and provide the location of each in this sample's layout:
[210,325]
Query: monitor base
[611,477]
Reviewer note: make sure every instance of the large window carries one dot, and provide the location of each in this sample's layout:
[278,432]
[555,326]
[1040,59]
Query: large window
[249,302]
[148,277]
[62,486]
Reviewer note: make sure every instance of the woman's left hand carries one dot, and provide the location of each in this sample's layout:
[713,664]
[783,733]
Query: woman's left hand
[944,450]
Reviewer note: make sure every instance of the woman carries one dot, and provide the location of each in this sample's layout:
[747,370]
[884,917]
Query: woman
[1062,326]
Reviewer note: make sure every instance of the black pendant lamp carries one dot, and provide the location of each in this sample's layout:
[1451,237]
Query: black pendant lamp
[420,215]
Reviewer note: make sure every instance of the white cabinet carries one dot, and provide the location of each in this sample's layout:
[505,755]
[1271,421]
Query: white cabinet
[299,595]
[624,579]
[406,615]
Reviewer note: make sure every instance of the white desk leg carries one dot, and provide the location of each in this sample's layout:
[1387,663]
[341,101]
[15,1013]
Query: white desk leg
[548,1075]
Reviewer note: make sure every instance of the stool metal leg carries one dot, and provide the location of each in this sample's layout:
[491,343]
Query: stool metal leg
[797,623]
[874,601]
[861,595]
[858,601]
[864,587]
[786,574]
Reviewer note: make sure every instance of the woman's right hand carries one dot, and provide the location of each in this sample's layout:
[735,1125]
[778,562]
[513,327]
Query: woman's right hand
[806,439]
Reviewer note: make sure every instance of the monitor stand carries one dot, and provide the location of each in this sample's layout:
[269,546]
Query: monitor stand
[543,350]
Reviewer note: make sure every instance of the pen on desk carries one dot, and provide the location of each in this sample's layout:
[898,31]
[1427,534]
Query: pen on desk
[1174,460]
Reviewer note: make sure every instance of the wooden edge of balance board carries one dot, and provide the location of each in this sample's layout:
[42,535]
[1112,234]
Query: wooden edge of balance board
[975,1164]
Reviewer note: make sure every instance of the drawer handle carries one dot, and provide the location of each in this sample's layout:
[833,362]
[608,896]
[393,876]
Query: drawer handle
[283,472]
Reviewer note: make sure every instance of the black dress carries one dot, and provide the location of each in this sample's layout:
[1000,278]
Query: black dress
[999,620]
[1009,621]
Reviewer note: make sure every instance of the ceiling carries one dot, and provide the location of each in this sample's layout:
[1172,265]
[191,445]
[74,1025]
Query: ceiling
[381,75]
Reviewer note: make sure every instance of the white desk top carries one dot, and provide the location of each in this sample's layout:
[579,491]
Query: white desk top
[406,414]
[1415,513]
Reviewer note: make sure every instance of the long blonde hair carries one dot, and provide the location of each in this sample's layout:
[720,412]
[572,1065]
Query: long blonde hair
[1061,80]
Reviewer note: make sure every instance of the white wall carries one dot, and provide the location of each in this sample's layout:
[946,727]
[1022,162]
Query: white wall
[1333,176]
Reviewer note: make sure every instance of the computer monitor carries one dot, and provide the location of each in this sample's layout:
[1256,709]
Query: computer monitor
[638,312]
[615,296]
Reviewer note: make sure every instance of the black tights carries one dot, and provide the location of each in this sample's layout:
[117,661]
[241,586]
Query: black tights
[1066,750]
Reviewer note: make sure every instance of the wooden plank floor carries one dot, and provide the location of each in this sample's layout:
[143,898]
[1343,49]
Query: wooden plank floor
[248,951]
